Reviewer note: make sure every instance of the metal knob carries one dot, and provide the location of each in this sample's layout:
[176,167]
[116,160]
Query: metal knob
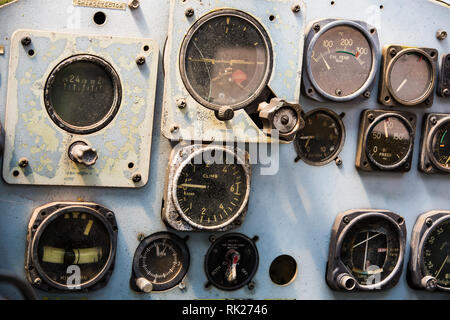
[81,152]
[225,113]
[282,116]
[346,282]
[144,285]
[233,258]
[429,283]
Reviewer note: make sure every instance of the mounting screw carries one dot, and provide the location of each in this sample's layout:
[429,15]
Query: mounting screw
[181,103]
[441,34]
[367,94]
[427,102]
[338,161]
[251,285]
[133,4]
[433,120]
[37,281]
[189,12]
[140,236]
[140,60]
[371,117]
[182,286]
[295,8]
[26,41]
[346,220]
[316,27]
[23,162]
[173,129]
[136,177]
[429,222]
[445,92]
[110,215]
[393,52]
[338,92]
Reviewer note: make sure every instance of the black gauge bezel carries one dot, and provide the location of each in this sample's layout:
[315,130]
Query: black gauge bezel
[408,126]
[429,144]
[337,118]
[40,227]
[117,87]
[367,31]
[431,86]
[244,238]
[423,239]
[191,32]
[186,162]
[184,259]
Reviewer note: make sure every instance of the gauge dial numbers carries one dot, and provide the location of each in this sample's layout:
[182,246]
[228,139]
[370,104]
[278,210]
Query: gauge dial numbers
[386,141]
[322,138]
[408,76]
[72,248]
[366,250]
[163,259]
[429,265]
[341,60]
[231,262]
[226,59]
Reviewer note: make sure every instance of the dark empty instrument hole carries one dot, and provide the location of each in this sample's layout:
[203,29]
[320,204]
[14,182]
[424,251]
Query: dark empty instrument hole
[283,270]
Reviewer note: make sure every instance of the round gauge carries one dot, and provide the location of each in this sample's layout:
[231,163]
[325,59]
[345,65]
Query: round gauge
[439,145]
[436,253]
[226,59]
[341,60]
[74,241]
[208,194]
[163,259]
[389,141]
[231,262]
[371,250]
[322,138]
[82,94]
[410,77]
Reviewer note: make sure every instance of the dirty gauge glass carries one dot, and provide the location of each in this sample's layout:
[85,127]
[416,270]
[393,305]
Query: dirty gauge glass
[341,62]
[82,94]
[226,59]
[440,146]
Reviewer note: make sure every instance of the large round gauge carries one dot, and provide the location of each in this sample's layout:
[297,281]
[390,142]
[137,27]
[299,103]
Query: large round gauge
[366,250]
[160,262]
[322,138]
[211,188]
[231,262]
[389,141]
[341,59]
[436,253]
[226,59]
[83,94]
[439,145]
[73,248]
[410,76]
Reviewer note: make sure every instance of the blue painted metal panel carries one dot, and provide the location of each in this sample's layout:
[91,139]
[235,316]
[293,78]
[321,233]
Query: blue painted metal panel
[292,212]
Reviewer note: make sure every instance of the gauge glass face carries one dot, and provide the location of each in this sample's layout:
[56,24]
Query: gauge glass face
[371,250]
[436,254]
[74,240]
[341,61]
[231,262]
[441,145]
[211,194]
[82,93]
[161,261]
[226,61]
[410,76]
[321,138]
[389,141]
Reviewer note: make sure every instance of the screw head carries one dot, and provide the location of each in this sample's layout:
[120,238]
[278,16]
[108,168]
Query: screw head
[295,8]
[37,281]
[133,4]
[173,129]
[371,117]
[137,177]
[429,222]
[284,119]
[441,34]
[433,120]
[140,61]
[338,161]
[181,103]
[367,94]
[393,52]
[445,92]
[338,92]
[346,220]
[23,162]
[189,12]
[140,236]
[316,27]
[26,41]
[251,285]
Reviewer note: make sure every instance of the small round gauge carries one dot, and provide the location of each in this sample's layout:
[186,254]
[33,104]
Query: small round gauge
[226,59]
[231,262]
[436,253]
[389,141]
[410,77]
[163,260]
[371,250]
[210,191]
[82,94]
[341,60]
[439,145]
[74,241]
[322,138]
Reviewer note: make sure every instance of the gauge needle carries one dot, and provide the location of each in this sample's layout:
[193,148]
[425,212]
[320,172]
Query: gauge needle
[231,62]
[386,130]
[189,185]
[401,85]
[328,67]
[365,252]
[448,160]
[358,244]
[443,264]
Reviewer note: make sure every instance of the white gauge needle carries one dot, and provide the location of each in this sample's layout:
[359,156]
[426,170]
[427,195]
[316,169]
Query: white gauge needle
[365,252]
[358,244]
[443,264]
[189,185]
[328,67]
[386,130]
[401,85]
